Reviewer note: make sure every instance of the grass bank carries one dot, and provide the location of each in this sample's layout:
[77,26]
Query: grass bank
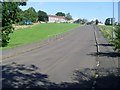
[106,31]
[37,32]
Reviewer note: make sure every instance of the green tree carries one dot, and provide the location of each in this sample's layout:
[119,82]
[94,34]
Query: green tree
[68,16]
[81,21]
[0,12]
[84,21]
[30,14]
[19,15]
[117,38]
[42,16]
[10,11]
[60,14]
[109,21]
[96,21]
[0,24]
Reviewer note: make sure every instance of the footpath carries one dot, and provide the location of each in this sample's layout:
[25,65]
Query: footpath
[108,60]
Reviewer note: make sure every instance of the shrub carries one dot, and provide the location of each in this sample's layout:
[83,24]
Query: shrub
[117,38]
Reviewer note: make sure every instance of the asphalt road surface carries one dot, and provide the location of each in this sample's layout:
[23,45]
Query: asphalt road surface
[61,58]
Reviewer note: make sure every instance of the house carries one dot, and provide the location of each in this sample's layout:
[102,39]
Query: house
[56,19]
[70,21]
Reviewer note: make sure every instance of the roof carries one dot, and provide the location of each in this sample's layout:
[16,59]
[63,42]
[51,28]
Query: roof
[61,17]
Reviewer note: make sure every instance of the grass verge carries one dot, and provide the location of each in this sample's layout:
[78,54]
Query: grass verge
[107,32]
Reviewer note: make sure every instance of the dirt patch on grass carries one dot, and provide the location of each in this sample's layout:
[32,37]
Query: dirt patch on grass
[19,27]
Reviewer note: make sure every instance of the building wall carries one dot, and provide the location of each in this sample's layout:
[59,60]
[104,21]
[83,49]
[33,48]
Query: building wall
[55,19]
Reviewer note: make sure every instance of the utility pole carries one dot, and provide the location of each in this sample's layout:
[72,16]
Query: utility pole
[119,12]
[113,23]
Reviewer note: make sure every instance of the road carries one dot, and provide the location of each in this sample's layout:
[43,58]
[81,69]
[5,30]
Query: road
[61,58]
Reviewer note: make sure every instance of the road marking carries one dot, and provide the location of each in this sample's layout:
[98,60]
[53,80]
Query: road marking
[98,48]
[98,63]
[96,76]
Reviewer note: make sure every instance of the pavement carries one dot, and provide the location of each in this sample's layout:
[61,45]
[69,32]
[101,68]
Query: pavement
[108,62]
[61,57]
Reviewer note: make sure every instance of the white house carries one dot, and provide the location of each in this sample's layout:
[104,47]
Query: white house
[57,19]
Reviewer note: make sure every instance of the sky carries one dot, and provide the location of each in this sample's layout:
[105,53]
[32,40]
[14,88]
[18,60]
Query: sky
[87,10]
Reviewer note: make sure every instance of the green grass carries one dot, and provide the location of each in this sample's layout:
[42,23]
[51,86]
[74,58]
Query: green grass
[37,33]
[106,31]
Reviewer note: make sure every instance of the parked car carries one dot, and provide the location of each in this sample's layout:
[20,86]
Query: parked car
[26,22]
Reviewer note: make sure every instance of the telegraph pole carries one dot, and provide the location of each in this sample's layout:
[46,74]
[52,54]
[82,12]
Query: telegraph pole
[113,23]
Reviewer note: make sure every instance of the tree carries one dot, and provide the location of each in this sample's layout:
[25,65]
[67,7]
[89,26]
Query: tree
[117,38]
[96,21]
[42,16]
[0,12]
[108,21]
[30,14]
[81,21]
[10,11]
[60,14]
[84,21]
[68,16]
[19,15]
[78,21]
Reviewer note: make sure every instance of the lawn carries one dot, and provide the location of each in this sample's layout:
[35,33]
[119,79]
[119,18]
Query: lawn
[106,31]
[38,32]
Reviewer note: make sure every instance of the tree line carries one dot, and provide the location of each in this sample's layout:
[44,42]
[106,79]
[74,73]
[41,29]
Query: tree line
[31,14]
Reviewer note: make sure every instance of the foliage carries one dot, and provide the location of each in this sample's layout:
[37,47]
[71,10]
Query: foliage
[0,11]
[108,21]
[42,16]
[0,24]
[60,14]
[19,15]
[107,32]
[68,16]
[81,21]
[30,14]
[10,15]
[96,21]
[117,38]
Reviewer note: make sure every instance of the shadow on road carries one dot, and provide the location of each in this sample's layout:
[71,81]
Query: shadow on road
[107,54]
[106,45]
[20,76]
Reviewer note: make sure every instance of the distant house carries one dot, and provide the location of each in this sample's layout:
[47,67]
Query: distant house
[56,19]
[70,21]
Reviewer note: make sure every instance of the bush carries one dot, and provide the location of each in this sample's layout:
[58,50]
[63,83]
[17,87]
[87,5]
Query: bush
[10,15]
[117,38]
